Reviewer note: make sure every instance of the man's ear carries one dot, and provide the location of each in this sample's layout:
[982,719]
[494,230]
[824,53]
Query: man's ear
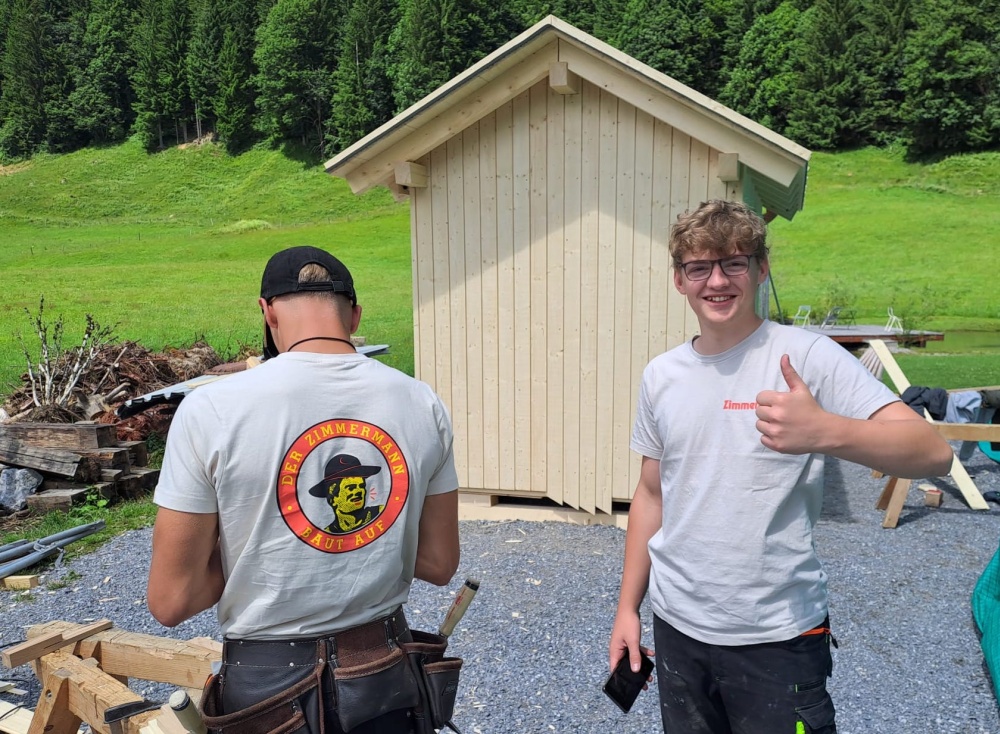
[355,318]
[268,312]
[763,269]
[679,280]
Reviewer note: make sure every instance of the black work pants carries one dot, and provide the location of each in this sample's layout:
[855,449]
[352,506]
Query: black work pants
[771,688]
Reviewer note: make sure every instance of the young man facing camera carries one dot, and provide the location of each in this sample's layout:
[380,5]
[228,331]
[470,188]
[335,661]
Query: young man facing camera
[733,428]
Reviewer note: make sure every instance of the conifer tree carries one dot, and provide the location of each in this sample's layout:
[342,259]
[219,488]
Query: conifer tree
[296,57]
[22,101]
[951,82]
[363,91]
[829,106]
[202,64]
[172,79]
[234,102]
[147,45]
[102,98]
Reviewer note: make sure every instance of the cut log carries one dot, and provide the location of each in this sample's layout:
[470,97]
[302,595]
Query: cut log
[138,452]
[61,435]
[65,499]
[109,457]
[55,461]
[19,583]
[149,477]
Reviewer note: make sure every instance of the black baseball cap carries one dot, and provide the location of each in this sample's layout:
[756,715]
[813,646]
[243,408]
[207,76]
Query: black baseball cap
[281,277]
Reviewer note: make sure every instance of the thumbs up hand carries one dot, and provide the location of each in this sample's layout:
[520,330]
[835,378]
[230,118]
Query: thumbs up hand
[790,422]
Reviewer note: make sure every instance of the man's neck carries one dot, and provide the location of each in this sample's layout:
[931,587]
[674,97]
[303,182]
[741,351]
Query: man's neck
[718,338]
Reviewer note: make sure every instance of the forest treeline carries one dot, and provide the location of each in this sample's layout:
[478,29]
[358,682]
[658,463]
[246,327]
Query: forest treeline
[829,74]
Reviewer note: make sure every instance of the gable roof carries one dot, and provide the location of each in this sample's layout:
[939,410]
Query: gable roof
[772,167]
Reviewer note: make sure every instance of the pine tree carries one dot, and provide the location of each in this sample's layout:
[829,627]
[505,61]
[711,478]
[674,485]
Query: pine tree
[22,102]
[172,79]
[296,57]
[951,82]
[203,61]
[830,104]
[363,97]
[692,50]
[888,24]
[102,98]
[438,39]
[234,102]
[763,81]
[148,49]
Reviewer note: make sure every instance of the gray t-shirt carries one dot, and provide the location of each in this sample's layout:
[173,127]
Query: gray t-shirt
[734,562]
[318,466]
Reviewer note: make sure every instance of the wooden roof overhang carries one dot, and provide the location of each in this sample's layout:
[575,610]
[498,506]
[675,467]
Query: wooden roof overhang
[771,167]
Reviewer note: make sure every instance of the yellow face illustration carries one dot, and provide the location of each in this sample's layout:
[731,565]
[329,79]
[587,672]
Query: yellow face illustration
[349,496]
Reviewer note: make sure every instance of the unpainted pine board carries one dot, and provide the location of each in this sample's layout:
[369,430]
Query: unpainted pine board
[538,270]
[506,291]
[137,655]
[641,349]
[442,277]
[473,284]
[572,294]
[32,649]
[605,291]
[697,192]
[520,123]
[19,582]
[14,719]
[52,714]
[422,255]
[590,342]
[666,306]
[555,300]
[680,171]
[457,307]
[491,425]
[91,692]
[896,500]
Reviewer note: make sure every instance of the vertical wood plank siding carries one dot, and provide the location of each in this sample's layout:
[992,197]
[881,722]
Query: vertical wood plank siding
[542,286]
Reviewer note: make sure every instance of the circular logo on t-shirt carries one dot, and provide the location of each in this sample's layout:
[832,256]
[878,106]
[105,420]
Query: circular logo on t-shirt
[363,486]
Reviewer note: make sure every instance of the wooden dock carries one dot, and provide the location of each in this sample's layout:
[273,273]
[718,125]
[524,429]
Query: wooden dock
[856,336]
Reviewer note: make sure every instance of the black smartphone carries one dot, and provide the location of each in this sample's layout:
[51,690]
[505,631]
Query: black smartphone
[623,686]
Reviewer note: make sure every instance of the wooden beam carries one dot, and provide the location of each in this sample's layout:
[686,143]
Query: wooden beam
[52,714]
[142,656]
[729,167]
[50,642]
[19,583]
[562,80]
[91,693]
[62,435]
[410,174]
[969,431]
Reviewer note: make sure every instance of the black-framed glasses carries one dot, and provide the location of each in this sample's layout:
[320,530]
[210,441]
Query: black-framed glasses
[702,269]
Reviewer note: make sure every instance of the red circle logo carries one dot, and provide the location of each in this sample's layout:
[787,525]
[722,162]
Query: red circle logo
[355,523]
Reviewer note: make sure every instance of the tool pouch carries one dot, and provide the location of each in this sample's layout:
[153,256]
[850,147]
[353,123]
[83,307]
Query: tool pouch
[282,713]
[374,688]
[438,677]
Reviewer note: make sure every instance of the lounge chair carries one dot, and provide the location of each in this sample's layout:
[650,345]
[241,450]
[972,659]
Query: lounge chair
[894,323]
[801,317]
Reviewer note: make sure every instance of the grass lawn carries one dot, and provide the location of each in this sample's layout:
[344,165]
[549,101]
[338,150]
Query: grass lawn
[169,247]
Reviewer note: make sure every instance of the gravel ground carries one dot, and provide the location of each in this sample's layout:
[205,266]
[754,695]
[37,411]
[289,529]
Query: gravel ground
[535,639]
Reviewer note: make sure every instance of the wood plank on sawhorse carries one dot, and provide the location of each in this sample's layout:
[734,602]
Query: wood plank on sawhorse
[50,642]
[893,497]
[89,692]
[135,655]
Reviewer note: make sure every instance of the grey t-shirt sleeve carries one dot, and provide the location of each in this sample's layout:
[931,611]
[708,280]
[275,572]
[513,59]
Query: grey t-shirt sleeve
[646,439]
[445,477]
[186,478]
[841,384]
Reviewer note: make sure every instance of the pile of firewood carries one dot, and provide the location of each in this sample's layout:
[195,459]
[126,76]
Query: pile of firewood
[75,459]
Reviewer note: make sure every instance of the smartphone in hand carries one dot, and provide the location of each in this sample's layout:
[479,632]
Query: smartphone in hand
[623,686]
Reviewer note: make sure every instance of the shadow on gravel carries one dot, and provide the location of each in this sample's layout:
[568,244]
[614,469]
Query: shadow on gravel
[836,504]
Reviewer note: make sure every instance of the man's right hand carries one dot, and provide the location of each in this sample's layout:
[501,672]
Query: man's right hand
[625,636]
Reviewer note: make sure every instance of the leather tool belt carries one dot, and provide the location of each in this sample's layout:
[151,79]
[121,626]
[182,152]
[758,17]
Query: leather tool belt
[333,683]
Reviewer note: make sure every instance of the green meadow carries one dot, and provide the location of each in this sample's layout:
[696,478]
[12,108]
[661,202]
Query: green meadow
[168,248]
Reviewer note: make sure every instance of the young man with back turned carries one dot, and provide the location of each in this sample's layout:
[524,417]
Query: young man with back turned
[304,496]
[733,428]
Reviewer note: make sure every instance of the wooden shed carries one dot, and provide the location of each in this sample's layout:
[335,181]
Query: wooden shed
[542,183]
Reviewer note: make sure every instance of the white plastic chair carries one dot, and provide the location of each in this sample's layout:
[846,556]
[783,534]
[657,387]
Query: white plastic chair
[894,323]
[801,317]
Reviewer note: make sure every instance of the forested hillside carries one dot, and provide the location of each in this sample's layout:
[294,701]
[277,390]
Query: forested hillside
[830,74]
